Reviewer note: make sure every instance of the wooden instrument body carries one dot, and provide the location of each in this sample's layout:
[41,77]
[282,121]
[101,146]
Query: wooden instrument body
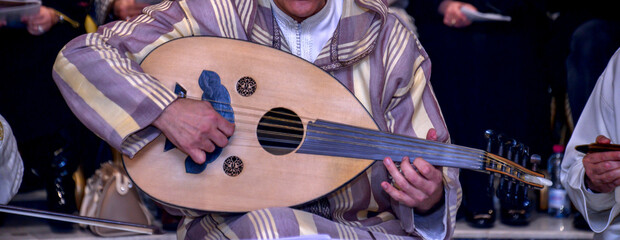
[267,180]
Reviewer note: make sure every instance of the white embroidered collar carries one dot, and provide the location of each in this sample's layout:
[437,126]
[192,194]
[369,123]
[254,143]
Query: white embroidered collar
[306,39]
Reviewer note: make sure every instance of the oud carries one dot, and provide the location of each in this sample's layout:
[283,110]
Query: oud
[299,133]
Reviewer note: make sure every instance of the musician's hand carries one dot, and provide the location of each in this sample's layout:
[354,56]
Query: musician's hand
[194,127]
[41,22]
[602,168]
[420,187]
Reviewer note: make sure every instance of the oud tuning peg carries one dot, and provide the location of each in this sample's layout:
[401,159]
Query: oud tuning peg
[526,150]
[489,134]
[518,154]
[510,145]
[500,139]
[535,160]
[490,137]
[526,156]
[510,142]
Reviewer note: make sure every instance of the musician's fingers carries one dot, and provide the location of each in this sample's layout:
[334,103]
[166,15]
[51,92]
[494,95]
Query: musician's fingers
[427,170]
[596,185]
[425,178]
[602,167]
[226,127]
[411,174]
[600,139]
[610,176]
[218,138]
[601,183]
[214,128]
[609,156]
[414,193]
[399,179]
[601,157]
[398,195]
[392,169]
[206,144]
[197,155]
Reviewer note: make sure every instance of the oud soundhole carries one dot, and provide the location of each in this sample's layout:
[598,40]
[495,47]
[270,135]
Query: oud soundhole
[246,86]
[233,166]
[280,131]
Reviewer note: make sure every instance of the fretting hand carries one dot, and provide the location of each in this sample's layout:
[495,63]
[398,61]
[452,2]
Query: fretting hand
[602,168]
[194,127]
[420,189]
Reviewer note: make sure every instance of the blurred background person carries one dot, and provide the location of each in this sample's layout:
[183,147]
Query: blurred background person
[52,142]
[583,37]
[591,179]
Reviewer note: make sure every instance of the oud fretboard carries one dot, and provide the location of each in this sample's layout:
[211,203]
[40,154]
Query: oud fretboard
[334,139]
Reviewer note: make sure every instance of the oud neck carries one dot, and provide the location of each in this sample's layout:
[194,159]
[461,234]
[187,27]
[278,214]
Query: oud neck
[334,139]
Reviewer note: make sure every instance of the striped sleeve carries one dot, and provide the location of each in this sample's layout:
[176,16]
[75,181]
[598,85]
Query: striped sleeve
[102,82]
[410,108]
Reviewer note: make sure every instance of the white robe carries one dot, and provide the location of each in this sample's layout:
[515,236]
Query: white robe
[600,117]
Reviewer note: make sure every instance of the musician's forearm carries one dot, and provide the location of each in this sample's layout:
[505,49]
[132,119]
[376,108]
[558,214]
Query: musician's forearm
[120,104]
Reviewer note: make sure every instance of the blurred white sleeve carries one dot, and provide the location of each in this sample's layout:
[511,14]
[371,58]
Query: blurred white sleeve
[600,116]
[11,166]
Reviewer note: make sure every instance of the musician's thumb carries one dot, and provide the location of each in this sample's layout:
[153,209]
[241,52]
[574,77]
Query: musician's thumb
[431,134]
